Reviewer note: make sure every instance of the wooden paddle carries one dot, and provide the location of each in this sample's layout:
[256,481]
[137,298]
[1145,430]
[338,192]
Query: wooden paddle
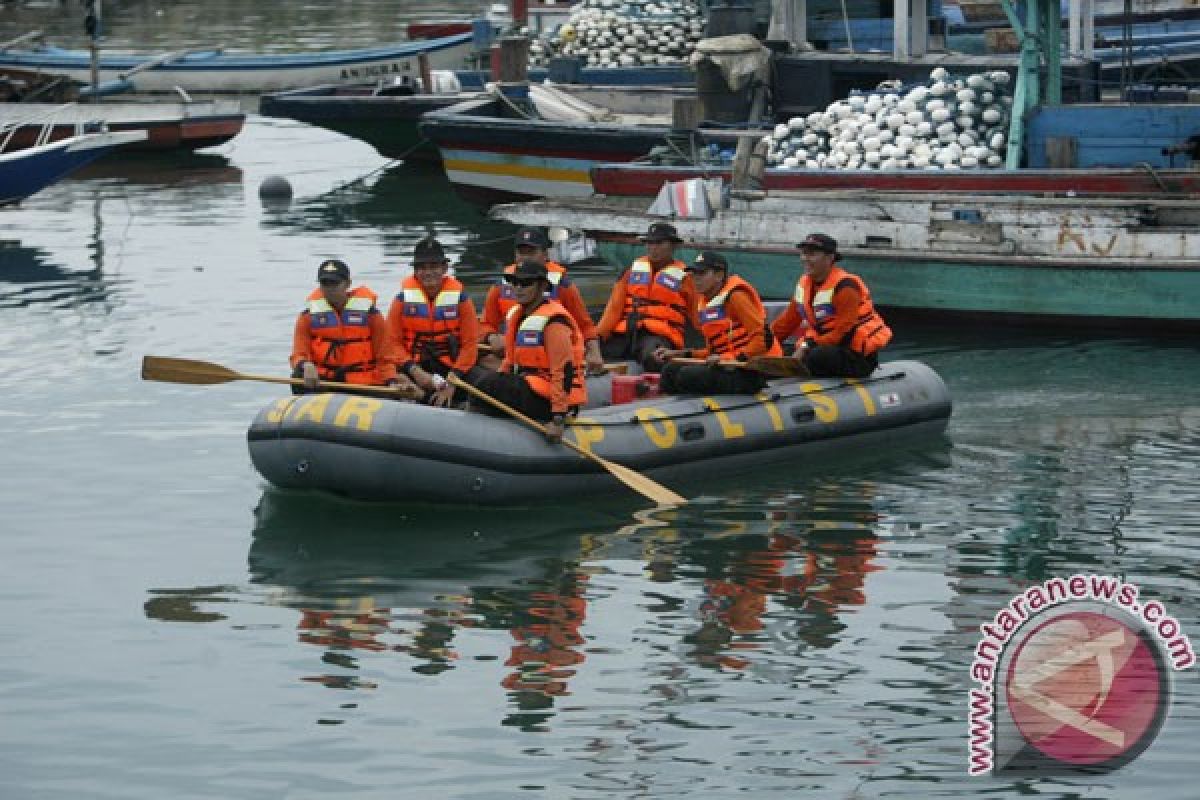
[631,478]
[775,366]
[204,373]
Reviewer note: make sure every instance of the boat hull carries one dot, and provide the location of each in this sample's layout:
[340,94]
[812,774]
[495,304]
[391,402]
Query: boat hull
[26,172]
[490,156]
[386,122]
[381,450]
[168,126]
[645,180]
[1101,262]
[215,71]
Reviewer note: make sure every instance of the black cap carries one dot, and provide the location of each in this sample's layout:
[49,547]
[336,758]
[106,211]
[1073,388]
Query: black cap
[532,237]
[428,250]
[333,268]
[661,232]
[709,260]
[528,269]
[819,241]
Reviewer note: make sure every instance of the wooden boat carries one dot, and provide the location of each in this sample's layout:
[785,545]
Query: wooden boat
[645,180]
[168,126]
[499,148]
[383,450]
[1116,148]
[1115,261]
[28,171]
[383,116]
[218,71]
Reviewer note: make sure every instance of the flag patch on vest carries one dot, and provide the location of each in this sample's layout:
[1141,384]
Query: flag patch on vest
[529,338]
[356,318]
[712,314]
[889,400]
[670,281]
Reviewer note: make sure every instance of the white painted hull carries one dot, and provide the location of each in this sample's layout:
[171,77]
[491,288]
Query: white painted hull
[1095,230]
[220,72]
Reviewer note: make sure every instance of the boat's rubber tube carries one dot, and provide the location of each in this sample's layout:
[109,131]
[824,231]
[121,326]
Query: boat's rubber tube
[380,449]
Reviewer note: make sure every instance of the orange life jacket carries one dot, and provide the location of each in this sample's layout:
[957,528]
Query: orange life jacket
[726,336]
[431,329]
[655,299]
[555,273]
[525,342]
[341,345]
[869,334]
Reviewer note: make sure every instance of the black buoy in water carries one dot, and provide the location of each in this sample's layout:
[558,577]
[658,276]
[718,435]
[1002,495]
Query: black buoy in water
[275,192]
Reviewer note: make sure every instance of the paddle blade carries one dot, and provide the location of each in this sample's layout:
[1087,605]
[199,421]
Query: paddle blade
[642,484]
[779,366]
[185,370]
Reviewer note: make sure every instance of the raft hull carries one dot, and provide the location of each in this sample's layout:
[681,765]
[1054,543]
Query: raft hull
[382,450]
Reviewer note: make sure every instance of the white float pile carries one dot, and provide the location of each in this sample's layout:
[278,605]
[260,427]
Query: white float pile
[624,33]
[948,123]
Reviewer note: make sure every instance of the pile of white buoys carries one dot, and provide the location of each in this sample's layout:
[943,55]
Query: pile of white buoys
[624,33]
[947,123]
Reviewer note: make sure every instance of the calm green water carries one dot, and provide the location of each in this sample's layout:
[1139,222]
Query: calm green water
[173,628]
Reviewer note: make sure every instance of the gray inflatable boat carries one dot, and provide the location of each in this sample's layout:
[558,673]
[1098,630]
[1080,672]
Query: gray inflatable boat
[383,450]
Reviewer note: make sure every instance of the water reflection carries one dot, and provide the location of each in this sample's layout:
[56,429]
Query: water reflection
[163,170]
[727,588]
[29,278]
[403,203]
[367,580]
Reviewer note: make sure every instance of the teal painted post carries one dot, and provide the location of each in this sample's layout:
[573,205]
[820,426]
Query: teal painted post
[1051,31]
[1016,122]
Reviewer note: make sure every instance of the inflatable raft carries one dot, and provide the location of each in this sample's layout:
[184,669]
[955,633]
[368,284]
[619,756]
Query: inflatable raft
[383,450]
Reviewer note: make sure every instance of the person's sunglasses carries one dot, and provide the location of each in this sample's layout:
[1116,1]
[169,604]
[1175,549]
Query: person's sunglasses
[522,283]
[330,282]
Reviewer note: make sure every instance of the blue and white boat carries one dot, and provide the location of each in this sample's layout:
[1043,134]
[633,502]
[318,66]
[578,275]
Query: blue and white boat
[25,172]
[218,71]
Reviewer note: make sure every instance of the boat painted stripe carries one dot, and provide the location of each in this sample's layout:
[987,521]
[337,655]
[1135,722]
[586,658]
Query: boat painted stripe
[514,186]
[518,170]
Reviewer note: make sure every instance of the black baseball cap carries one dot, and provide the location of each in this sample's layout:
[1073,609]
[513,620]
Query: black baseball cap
[819,241]
[428,250]
[532,237]
[333,269]
[709,259]
[661,232]
[528,269]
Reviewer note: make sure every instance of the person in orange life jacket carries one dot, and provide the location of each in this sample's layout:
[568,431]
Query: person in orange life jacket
[433,325]
[840,332]
[651,303]
[542,372]
[532,245]
[734,324]
[341,336]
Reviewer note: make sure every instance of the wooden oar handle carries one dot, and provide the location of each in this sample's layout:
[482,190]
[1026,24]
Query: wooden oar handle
[703,362]
[357,388]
